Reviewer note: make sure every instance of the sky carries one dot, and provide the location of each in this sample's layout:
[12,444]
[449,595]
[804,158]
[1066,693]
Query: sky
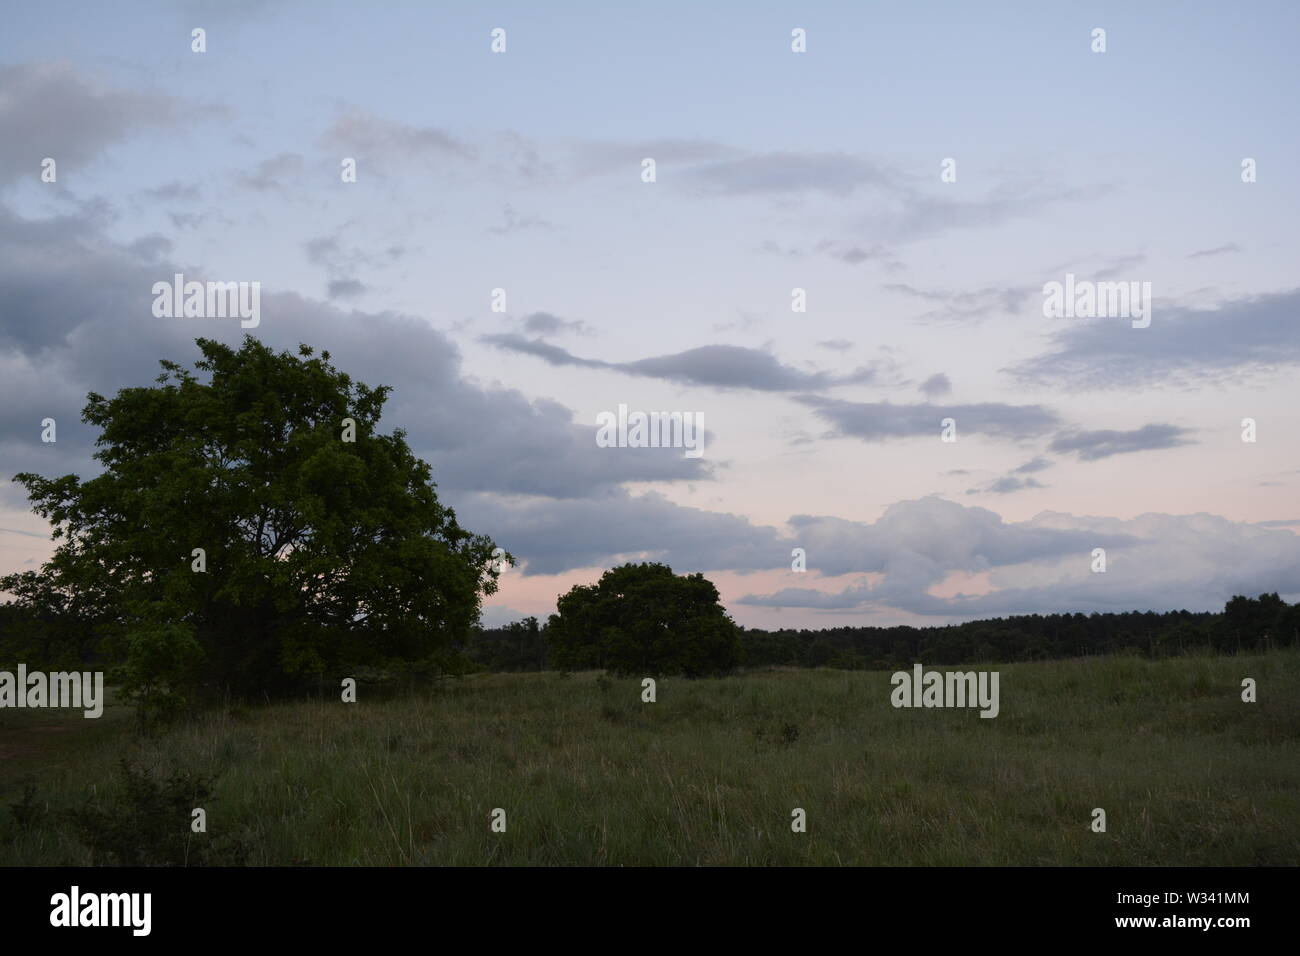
[920,172]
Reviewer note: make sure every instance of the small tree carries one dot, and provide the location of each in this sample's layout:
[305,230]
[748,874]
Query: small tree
[643,620]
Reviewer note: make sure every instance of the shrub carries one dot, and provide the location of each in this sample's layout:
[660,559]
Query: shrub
[148,823]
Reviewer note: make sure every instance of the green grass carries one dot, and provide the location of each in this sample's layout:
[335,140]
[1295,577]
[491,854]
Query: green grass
[709,774]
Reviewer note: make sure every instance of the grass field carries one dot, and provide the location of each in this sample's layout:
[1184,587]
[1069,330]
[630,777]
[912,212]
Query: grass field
[1187,773]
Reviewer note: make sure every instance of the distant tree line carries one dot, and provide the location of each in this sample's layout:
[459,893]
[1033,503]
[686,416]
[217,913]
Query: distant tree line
[1245,624]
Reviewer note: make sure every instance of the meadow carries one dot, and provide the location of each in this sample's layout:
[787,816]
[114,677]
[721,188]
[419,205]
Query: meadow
[709,774]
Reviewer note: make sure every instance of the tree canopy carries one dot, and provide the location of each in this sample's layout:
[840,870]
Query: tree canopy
[251,524]
[643,620]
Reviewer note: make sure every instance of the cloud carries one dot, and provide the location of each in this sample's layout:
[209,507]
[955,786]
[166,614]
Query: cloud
[342,263]
[1182,346]
[835,345]
[1093,445]
[877,421]
[719,366]
[1216,251]
[376,141]
[1155,561]
[1011,482]
[1006,485]
[975,305]
[611,156]
[498,615]
[899,204]
[543,324]
[175,192]
[1035,464]
[345,288]
[78,317]
[274,174]
[936,385]
[513,222]
[912,214]
[552,537]
[50,109]
[854,255]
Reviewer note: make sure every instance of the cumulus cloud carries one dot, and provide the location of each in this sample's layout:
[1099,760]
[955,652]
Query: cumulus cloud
[1154,561]
[78,317]
[552,537]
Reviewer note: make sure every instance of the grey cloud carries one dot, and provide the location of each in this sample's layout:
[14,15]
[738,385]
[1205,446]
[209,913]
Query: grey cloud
[836,345]
[1035,464]
[544,323]
[1181,346]
[935,385]
[76,315]
[552,537]
[345,288]
[50,109]
[1092,445]
[1010,482]
[913,215]
[1216,251]
[1163,562]
[877,421]
[608,156]
[274,174]
[375,140]
[976,304]
[1006,485]
[175,191]
[342,263]
[719,366]
[903,204]
[851,598]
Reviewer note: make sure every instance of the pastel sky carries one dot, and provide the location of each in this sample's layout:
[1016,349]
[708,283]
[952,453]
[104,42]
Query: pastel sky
[774,171]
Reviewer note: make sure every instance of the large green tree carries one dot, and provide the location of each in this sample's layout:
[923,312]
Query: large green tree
[643,620]
[324,545]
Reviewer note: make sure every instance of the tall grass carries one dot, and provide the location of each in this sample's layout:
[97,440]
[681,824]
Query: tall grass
[709,774]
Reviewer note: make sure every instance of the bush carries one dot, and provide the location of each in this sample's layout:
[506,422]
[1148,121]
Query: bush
[159,670]
[148,823]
